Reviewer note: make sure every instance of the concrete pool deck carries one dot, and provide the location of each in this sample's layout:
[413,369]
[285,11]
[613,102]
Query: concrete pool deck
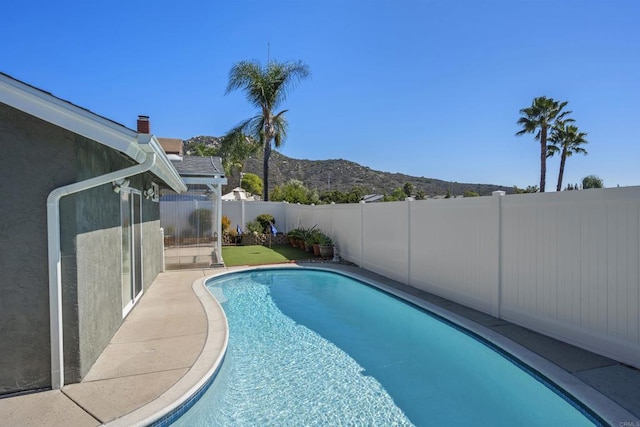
[176,333]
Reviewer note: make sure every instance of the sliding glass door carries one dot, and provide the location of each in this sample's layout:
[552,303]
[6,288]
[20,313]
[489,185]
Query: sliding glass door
[131,226]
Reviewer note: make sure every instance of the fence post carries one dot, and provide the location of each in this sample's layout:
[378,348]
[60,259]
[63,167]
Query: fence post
[409,200]
[498,292]
[244,227]
[162,246]
[362,203]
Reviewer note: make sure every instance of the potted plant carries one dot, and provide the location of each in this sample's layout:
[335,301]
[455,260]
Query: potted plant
[305,235]
[326,247]
[314,239]
[294,236]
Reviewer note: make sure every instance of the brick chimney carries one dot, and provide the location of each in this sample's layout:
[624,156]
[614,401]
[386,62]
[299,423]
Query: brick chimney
[143,124]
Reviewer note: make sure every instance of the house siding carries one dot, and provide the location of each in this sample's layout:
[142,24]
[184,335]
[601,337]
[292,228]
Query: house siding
[36,158]
[31,166]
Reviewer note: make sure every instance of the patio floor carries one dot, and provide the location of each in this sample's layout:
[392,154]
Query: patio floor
[175,334]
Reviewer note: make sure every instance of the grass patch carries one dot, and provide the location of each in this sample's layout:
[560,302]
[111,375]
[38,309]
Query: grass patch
[257,255]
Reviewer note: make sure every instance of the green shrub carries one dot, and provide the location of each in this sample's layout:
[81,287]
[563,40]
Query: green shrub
[295,233]
[254,227]
[314,237]
[265,220]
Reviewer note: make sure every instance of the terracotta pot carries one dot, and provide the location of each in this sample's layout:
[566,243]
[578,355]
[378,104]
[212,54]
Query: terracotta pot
[316,249]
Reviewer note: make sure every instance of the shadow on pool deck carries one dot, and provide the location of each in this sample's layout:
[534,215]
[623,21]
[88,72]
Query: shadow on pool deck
[174,335]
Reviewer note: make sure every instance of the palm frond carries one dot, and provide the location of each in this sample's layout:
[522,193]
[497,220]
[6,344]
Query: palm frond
[281,126]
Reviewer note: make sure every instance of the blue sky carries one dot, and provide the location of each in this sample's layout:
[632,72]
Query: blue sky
[429,88]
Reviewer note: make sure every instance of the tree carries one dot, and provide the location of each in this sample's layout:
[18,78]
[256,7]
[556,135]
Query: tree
[335,196]
[397,195]
[355,194]
[294,191]
[421,195]
[541,116]
[529,189]
[235,148]
[567,140]
[252,183]
[203,150]
[592,181]
[408,189]
[266,88]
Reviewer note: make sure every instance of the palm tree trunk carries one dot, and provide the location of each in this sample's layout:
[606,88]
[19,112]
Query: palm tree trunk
[265,170]
[543,158]
[563,158]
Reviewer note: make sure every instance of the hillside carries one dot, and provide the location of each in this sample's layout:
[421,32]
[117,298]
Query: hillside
[339,174]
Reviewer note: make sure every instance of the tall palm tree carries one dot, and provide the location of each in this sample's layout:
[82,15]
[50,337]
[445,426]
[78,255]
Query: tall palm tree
[266,88]
[541,117]
[567,140]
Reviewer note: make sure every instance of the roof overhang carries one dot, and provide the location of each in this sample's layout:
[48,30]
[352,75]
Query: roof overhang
[83,122]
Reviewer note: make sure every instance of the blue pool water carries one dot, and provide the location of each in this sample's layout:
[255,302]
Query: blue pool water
[318,348]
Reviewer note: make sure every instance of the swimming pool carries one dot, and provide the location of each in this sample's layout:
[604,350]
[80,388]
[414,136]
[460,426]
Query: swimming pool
[319,348]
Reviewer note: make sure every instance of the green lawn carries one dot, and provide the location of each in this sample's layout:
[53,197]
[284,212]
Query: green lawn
[257,255]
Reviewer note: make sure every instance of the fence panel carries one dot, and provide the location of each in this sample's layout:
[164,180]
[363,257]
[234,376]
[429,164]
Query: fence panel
[241,212]
[347,231]
[189,235]
[454,250]
[570,268]
[232,209]
[385,230]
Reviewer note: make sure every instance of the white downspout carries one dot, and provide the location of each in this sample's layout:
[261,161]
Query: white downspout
[219,222]
[55,275]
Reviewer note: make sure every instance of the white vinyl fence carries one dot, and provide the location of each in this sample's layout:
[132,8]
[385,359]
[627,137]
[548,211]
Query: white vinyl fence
[565,264]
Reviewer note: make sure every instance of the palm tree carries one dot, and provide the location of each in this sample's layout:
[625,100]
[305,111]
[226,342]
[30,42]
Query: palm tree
[540,117]
[266,88]
[567,140]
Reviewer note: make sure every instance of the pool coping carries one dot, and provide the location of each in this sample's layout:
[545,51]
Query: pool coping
[211,356]
[205,366]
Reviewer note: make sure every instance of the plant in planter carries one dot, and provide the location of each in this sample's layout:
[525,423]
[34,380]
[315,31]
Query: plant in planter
[294,235]
[326,247]
[305,235]
[313,241]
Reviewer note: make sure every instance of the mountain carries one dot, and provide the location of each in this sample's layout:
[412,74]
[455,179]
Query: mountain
[343,175]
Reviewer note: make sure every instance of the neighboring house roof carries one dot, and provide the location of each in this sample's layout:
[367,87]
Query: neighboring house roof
[171,145]
[81,121]
[370,198]
[198,171]
[238,193]
[198,166]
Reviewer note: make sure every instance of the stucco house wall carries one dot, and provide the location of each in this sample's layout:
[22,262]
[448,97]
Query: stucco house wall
[36,158]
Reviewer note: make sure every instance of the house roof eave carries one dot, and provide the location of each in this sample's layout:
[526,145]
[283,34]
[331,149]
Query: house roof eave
[163,168]
[81,121]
